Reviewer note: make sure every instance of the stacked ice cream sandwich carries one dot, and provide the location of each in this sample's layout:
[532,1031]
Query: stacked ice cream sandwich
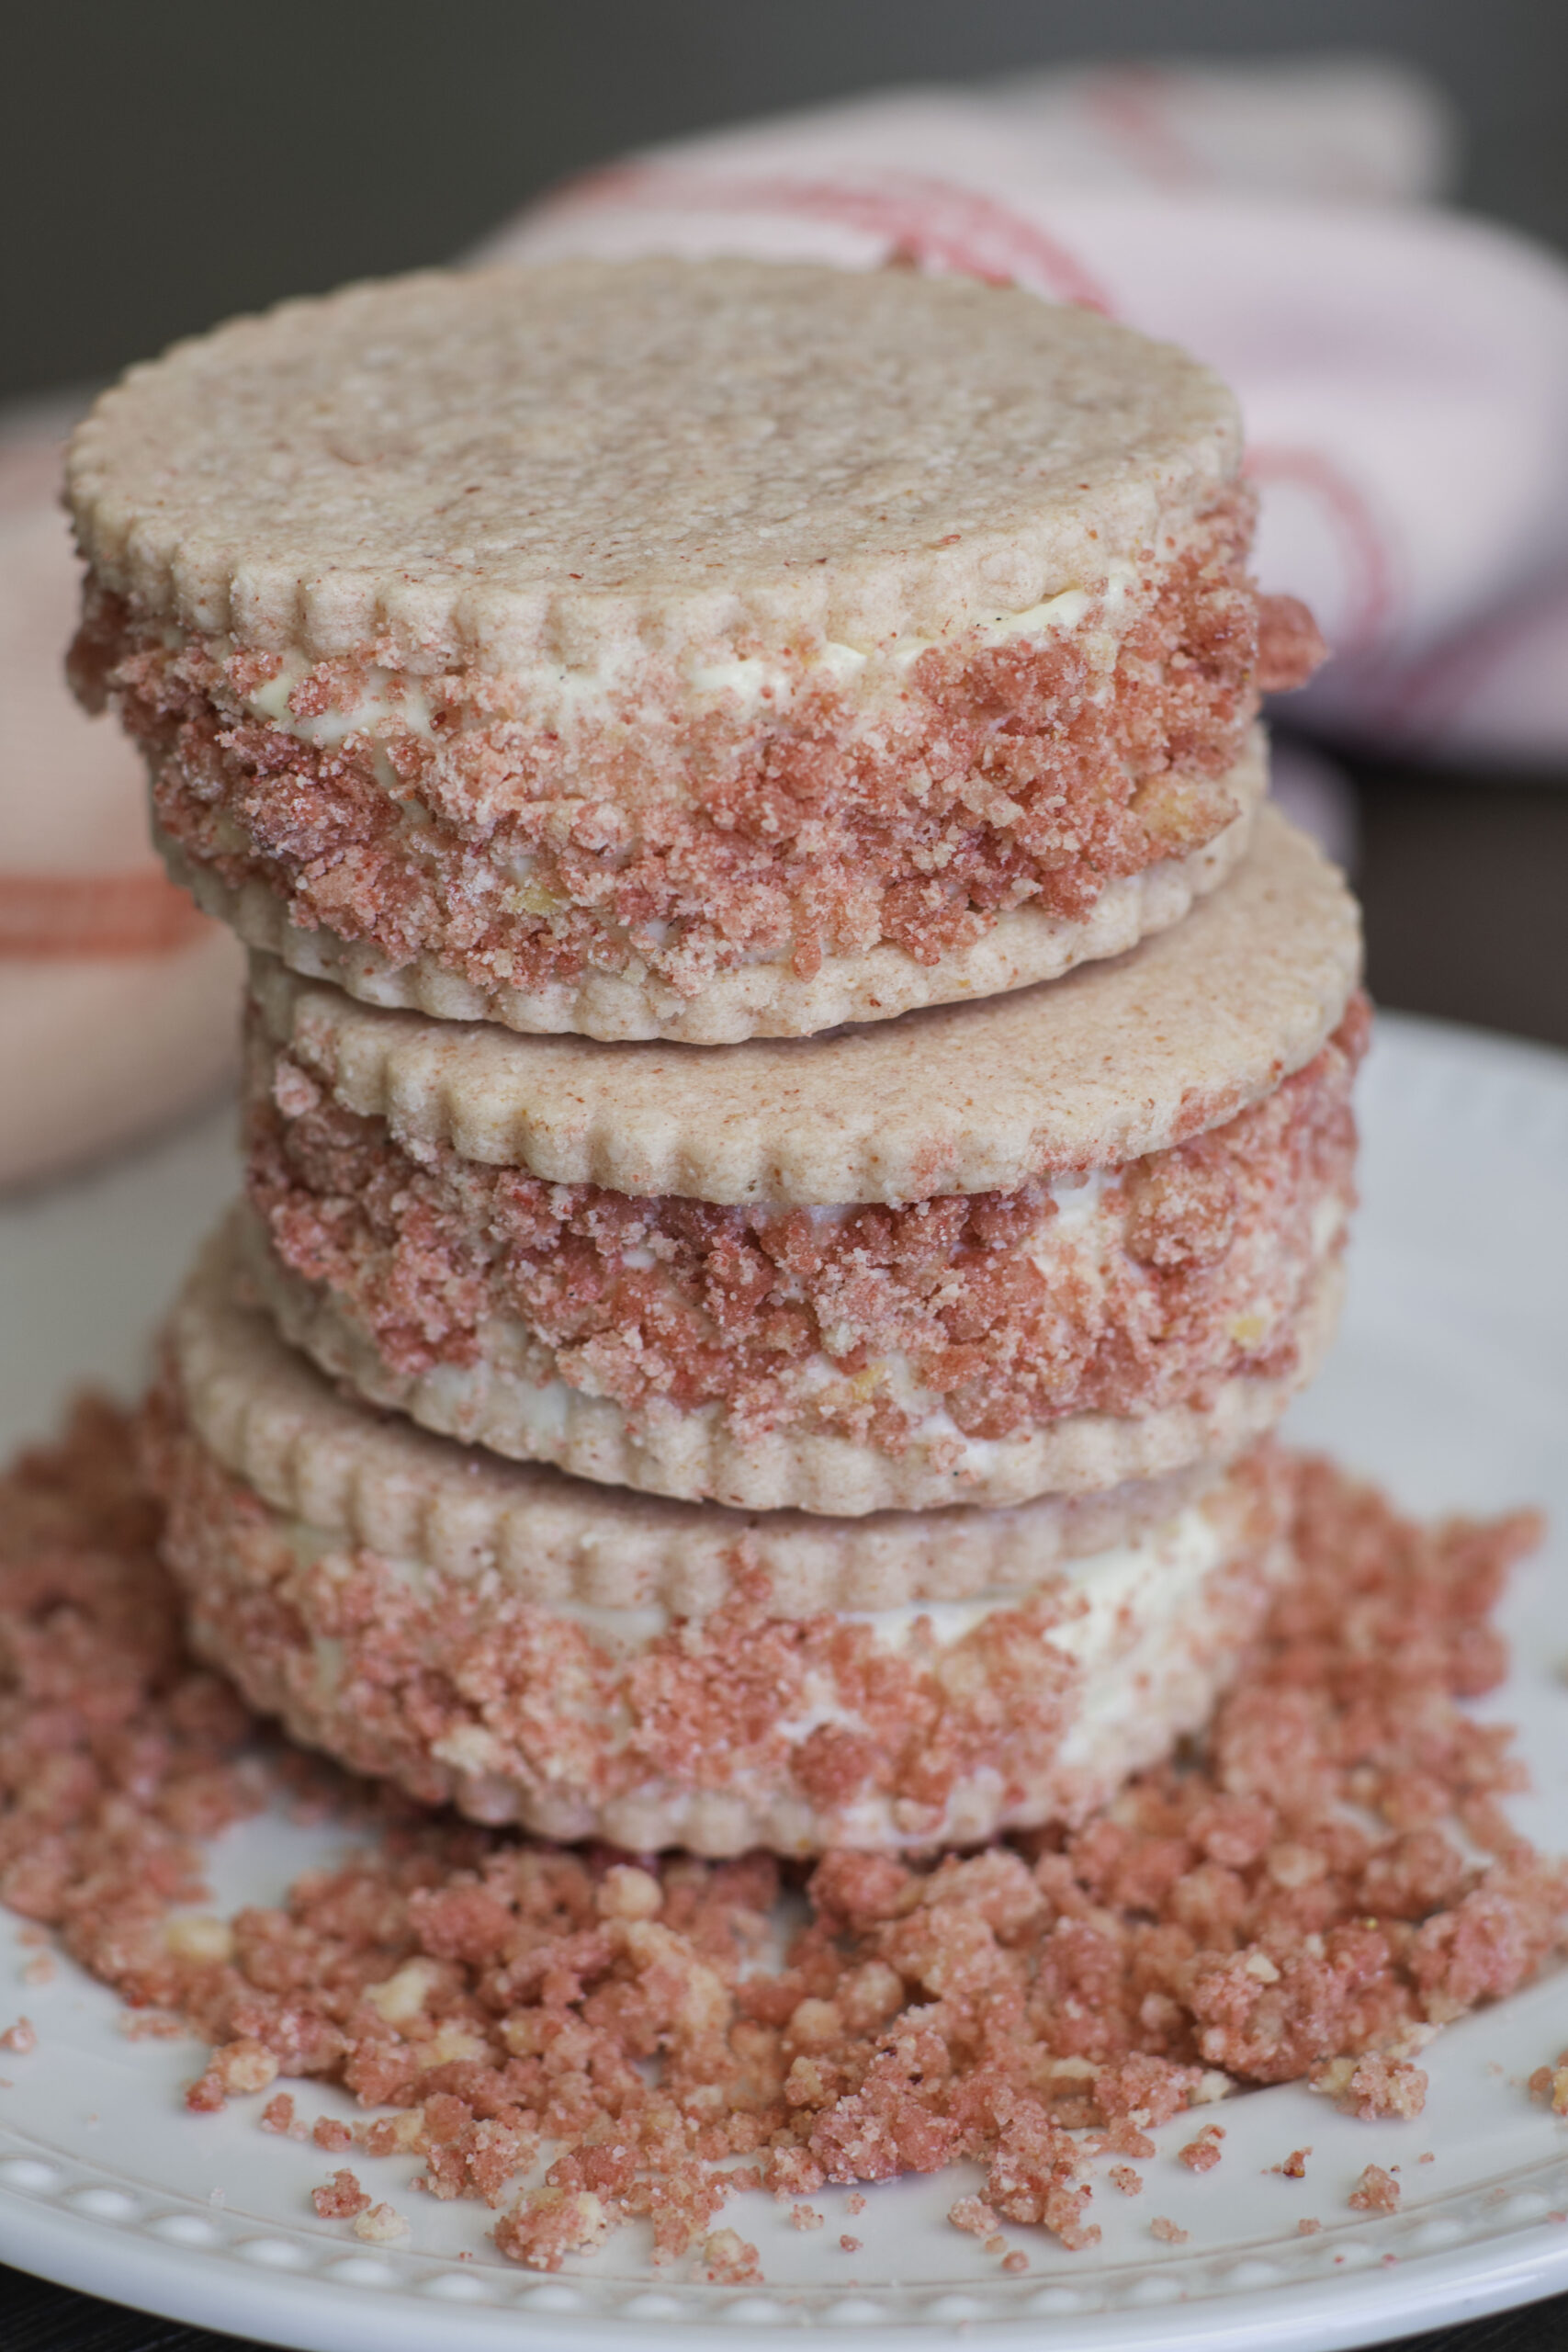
[798,1117]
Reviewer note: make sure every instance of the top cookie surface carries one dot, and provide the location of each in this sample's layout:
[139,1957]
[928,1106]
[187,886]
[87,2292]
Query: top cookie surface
[1115,1060]
[585,459]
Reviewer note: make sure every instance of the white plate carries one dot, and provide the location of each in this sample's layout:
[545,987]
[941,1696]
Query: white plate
[1450,1384]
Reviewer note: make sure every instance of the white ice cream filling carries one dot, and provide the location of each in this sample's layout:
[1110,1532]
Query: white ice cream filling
[558,694]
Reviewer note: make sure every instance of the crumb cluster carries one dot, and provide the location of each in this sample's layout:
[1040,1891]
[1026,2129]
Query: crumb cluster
[1008,1310]
[1547,2083]
[1374,2086]
[1292,1895]
[689,841]
[1376,2191]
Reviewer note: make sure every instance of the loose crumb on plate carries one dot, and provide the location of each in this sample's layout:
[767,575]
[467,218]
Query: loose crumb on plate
[245,2068]
[1373,2087]
[1124,2177]
[20,2039]
[382,2225]
[728,2261]
[973,2215]
[340,2198]
[1377,2191]
[553,2221]
[1547,2083]
[614,2031]
[151,2025]
[1202,2153]
[1167,2232]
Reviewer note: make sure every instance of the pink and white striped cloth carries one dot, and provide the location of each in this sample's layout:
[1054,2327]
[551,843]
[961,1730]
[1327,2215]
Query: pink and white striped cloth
[117,999]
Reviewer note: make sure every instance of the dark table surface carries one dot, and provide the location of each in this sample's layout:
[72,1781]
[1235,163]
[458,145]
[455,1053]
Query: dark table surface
[38,2318]
[1464,879]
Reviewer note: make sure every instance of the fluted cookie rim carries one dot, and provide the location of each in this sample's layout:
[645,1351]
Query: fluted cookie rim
[270,1415]
[1025,947]
[438,592]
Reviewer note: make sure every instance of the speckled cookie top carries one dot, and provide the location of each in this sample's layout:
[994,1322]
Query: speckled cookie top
[1116,1059]
[586,460]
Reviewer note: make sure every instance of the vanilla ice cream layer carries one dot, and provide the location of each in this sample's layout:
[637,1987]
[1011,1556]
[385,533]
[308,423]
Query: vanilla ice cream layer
[385,704]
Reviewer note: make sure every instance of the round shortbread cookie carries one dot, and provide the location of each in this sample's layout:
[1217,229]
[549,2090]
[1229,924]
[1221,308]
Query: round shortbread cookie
[589,461]
[570,645]
[592,1663]
[1114,1061]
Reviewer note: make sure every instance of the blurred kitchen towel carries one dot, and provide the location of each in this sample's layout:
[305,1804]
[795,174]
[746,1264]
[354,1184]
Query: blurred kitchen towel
[117,1001]
[1404,372]
[1403,369]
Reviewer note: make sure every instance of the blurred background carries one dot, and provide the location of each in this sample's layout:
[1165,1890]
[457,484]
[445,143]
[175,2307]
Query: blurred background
[166,165]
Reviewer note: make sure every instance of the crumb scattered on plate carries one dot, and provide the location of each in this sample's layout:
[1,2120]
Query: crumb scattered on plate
[619,2035]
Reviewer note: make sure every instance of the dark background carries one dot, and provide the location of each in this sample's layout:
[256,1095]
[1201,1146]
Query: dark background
[166,163]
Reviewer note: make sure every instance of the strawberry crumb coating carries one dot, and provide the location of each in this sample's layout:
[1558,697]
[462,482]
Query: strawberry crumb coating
[1293,1893]
[745,1726]
[943,1325]
[438,819]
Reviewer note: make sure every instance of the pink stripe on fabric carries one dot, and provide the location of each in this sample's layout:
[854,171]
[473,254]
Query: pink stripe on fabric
[1126,101]
[1367,553]
[932,221]
[139,913]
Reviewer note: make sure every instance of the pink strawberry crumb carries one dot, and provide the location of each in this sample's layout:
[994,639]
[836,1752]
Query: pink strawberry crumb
[1376,2191]
[340,2198]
